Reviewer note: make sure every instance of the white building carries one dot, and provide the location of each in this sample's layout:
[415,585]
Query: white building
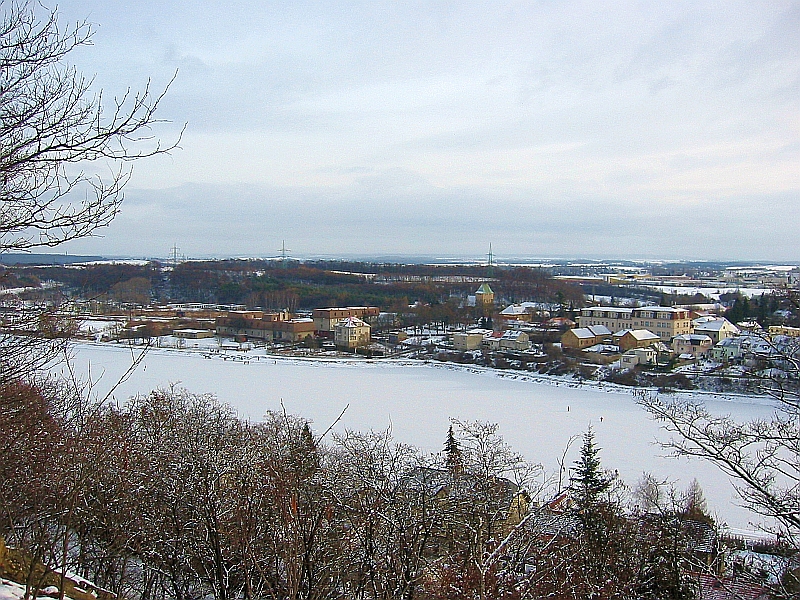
[350,333]
[717,328]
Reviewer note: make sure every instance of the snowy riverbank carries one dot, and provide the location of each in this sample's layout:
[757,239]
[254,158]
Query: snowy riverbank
[537,414]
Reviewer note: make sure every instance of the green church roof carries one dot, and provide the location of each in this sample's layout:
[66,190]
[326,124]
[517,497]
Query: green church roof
[484,289]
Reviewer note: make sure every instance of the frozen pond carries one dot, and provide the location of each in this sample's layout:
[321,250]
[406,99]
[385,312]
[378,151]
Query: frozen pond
[416,400]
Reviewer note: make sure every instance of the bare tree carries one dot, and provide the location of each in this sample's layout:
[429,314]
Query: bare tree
[52,125]
[65,154]
[762,456]
[385,493]
[487,504]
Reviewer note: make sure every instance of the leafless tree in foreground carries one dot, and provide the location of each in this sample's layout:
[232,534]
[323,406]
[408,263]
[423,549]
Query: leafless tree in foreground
[762,456]
[56,138]
[52,125]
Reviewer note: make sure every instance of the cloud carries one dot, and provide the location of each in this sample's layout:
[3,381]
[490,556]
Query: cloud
[413,217]
[392,126]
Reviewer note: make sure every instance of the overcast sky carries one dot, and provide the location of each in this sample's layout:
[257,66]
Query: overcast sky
[549,129]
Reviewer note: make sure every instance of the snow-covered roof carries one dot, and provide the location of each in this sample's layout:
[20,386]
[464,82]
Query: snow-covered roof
[350,322]
[714,325]
[513,334]
[513,309]
[637,334]
[583,333]
[598,330]
[692,338]
[603,348]
[610,309]
[484,289]
[522,308]
[478,331]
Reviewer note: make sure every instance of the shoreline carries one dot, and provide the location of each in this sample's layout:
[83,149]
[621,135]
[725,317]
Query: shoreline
[362,362]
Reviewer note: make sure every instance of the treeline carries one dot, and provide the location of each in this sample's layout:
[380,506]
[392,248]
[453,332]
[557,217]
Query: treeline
[766,309]
[172,496]
[92,280]
[296,285]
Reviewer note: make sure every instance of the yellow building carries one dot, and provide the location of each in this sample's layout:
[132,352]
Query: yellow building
[664,321]
[484,296]
[270,327]
[584,337]
[325,319]
[627,339]
[351,333]
[469,340]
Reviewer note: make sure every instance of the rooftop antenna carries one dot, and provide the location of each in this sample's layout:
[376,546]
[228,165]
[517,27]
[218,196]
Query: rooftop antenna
[490,270]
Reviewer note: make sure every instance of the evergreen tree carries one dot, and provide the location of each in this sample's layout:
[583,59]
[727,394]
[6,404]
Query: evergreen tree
[452,454]
[740,311]
[694,504]
[589,482]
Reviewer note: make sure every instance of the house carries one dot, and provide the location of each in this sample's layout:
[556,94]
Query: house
[524,312]
[559,322]
[638,356]
[469,340]
[664,321]
[396,337]
[583,337]
[325,319]
[692,344]
[711,587]
[634,338]
[514,340]
[293,330]
[784,330]
[716,328]
[509,502]
[492,341]
[351,333]
[732,349]
[193,334]
[604,349]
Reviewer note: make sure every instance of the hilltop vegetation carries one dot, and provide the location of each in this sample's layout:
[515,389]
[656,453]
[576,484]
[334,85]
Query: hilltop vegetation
[294,285]
[173,496]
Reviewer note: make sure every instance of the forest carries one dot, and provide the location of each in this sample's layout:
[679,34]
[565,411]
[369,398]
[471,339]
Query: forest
[295,285]
[171,495]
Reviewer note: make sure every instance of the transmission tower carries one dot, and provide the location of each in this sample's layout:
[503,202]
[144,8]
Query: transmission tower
[284,253]
[174,254]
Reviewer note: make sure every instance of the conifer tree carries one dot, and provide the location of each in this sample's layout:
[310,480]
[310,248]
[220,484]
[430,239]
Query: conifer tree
[694,504]
[589,482]
[452,454]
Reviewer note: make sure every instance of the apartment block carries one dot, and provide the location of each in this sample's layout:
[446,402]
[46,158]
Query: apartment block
[664,321]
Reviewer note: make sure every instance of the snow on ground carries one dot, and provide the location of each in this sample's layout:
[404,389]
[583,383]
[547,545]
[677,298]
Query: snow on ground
[97,326]
[711,292]
[10,590]
[536,415]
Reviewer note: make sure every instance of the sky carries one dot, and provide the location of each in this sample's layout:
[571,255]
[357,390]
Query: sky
[548,129]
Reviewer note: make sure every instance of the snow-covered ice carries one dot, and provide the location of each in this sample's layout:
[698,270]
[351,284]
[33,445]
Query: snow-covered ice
[417,399]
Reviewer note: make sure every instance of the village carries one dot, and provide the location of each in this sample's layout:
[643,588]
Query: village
[682,346]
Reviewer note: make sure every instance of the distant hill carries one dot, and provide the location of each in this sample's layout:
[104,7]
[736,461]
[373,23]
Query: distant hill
[44,259]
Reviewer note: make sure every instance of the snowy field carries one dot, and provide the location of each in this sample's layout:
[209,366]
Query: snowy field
[712,292]
[416,400]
